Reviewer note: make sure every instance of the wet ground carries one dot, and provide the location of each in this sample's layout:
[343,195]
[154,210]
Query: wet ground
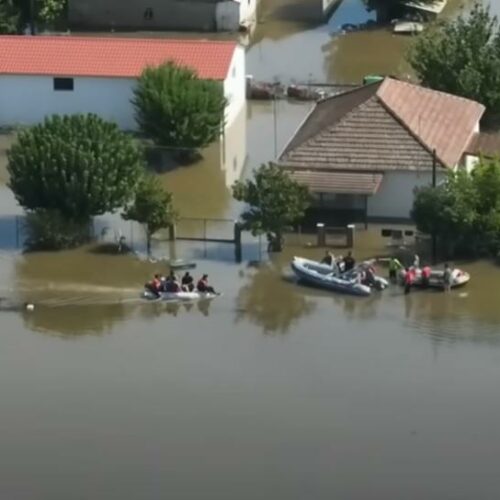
[273,390]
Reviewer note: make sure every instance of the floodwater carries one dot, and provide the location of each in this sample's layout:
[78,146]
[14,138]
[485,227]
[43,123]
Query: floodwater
[273,390]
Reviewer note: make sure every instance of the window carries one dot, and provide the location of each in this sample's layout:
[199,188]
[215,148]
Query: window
[63,84]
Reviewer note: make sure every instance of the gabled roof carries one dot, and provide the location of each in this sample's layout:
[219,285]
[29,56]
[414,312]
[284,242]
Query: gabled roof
[110,57]
[383,126]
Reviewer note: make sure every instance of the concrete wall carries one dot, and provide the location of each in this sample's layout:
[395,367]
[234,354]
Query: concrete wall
[394,198]
[25,100]
[134,14]
[235,85]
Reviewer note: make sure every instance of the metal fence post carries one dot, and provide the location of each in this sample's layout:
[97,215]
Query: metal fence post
[321,235]
[237,241]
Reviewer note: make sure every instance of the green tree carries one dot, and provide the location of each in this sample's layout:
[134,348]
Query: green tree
[177,109]
[464,211]
[152,207]
[9,17]
[79,166]
[46,11]
[462,57]
[275,202]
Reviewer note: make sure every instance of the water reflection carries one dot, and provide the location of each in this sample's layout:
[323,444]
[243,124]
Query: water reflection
[270,301]
[73,321]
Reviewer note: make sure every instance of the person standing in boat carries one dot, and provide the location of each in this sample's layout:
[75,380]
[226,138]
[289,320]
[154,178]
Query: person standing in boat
[416,262]
[408,280]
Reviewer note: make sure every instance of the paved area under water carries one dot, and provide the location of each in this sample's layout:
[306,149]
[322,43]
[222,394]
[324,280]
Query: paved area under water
[273,390]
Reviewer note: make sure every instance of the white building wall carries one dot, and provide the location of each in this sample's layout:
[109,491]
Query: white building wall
[394,198]
[26,100]
[248,11]
[235,85]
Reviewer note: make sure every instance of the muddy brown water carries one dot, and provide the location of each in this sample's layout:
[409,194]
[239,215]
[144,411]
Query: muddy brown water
[274,390]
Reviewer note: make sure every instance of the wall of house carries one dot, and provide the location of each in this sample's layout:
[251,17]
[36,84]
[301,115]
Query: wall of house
[235,85]
[394,198]
[248,10]
[143,14]
[233,146]
[25,100]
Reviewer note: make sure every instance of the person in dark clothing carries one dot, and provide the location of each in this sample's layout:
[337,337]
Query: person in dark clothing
[349,262]
[203,285]
[327,259]
[187,282]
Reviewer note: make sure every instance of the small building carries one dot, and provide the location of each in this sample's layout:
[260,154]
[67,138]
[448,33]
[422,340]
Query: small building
[42,75]
[189,15]
[365,151]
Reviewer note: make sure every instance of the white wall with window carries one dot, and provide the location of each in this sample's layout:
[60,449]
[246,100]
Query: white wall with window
[25,100]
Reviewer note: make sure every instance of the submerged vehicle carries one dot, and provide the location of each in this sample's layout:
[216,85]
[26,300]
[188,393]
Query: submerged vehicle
[323,276]
[436,278]
[177,296]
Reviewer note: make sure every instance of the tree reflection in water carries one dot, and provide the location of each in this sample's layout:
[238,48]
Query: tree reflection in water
[271,302]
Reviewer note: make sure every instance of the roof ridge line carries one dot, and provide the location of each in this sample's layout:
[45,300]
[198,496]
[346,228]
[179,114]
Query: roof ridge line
[408,129]
[330,126]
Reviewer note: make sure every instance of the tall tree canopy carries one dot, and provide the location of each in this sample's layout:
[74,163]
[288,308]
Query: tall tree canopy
[464,211]
[9,17]
[177,109]
[462,57]
[275,202]
[79,165]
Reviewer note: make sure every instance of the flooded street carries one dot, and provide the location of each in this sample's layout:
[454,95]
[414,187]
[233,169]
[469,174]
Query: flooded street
[273,390]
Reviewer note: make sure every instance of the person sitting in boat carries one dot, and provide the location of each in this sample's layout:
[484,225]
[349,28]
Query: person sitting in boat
[394,267]
[369,276]
[328,259]
[349,262]
[171,283]
[187,282]
[203,286]
[154,286]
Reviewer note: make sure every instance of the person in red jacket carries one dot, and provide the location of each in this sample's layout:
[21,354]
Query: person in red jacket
[408,280]
[203,285]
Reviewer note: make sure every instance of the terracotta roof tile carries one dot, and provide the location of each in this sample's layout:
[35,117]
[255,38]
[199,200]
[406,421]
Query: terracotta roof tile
[338,182]
[440,121]
[391,125]
[110,57]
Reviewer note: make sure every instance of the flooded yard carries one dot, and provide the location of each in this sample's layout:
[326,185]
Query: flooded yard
[273,390]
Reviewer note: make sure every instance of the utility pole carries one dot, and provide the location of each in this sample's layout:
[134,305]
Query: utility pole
[275,123]
[434,244]
[32,17]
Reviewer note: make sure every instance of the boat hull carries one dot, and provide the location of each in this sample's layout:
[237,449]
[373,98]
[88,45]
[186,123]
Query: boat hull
[179,296]
[321,276]
[459,279]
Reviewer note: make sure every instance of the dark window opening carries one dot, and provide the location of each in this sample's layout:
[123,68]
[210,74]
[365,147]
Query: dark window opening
[63,84]
[149,14]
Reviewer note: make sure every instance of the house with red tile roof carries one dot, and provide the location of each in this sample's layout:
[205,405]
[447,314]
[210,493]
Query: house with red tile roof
[364,152]
[45,75]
